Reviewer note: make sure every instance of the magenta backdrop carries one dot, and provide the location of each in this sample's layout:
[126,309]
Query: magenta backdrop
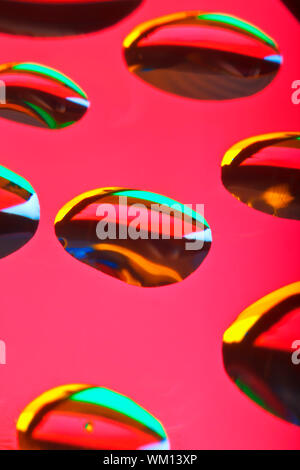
[64,322]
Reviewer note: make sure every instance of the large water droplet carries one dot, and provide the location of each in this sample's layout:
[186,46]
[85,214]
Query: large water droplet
[261,352]
[19,212]
[207,56]
[264,173]
[40,96]
[139,237]
[86,417]
[62,17]
[294,6]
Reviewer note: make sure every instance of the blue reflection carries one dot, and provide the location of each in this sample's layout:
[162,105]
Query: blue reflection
[277,58]
[29,209]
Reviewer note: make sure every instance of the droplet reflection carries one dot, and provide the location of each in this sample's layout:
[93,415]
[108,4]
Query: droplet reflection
[260,352]
[138,237]
[19,212]
[79,416]
[202,55]
[264,173]
[40,96]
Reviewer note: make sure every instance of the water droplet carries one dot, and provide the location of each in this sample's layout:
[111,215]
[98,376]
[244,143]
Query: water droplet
[87,417]
[294,7]
[19,212]
[138,237]
[264,173]
[207,56]
[40,96]
[261,352]
[62,17]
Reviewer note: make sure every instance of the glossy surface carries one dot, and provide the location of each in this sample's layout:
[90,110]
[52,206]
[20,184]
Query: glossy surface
[139,137]
[294,6]
[61,17]
[145,246]
[201,55]
[264,173]
[40,96]
[19,212]
[86,417]
[260,352]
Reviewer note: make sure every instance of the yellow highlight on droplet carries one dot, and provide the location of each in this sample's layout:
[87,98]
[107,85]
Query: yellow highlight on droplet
[96,192]
[142,28]
[36,405]
[238,330]
[236,149]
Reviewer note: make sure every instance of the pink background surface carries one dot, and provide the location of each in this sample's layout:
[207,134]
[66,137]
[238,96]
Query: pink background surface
[64,322]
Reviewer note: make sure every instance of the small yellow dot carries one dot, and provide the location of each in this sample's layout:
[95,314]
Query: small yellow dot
[89,427]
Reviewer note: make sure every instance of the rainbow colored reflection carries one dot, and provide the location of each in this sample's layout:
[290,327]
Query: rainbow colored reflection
[141,238]
[260,352]
[40,96]
[86,417]
[264,173]
[203,55]
[19,212]
[62,17]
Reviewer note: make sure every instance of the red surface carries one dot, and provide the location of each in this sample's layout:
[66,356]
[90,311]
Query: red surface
[64,322]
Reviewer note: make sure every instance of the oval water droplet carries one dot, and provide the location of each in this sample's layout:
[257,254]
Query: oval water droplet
[138,237]
[264,173]
[40,96]
[87,417]
[261,351]
[62,17]
[294,7]
[207,56]
[19,212]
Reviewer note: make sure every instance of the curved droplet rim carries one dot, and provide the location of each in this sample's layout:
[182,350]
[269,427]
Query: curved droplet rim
[15,178]
[234,22]
[134,193]
[49,72]
[32,204]
[244,322]
[233,153]
[35,111]
[49,397]
[101,396]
